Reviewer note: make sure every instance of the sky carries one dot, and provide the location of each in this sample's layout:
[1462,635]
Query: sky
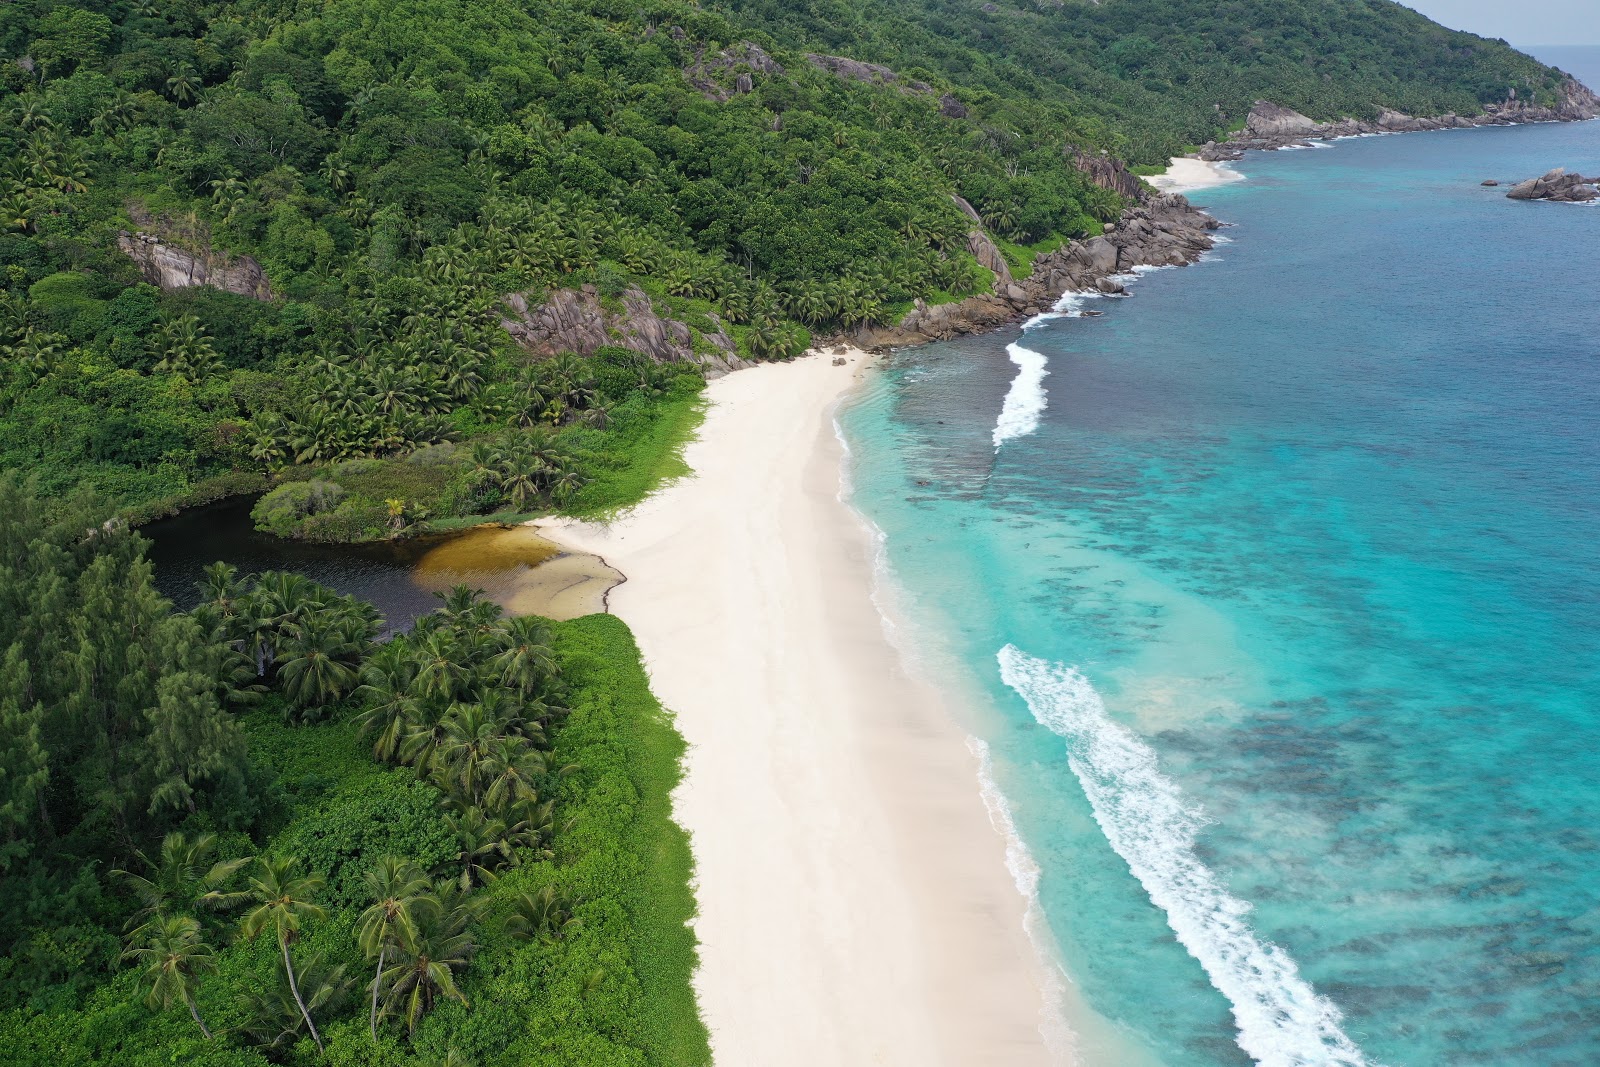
[1524,23]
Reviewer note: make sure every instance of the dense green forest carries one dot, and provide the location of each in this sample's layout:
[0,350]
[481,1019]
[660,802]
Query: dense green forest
[397,169]
[1153,76]
[247,833]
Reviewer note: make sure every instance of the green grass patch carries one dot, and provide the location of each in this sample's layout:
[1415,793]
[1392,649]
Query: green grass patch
[637,456]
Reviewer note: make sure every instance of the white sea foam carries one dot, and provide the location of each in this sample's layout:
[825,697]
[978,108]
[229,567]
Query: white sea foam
[1281,1020]
[1026,399]
[1024,872]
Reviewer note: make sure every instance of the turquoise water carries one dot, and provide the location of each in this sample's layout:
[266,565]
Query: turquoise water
[1279,611]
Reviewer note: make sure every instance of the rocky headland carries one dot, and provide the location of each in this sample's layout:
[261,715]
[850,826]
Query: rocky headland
[1158,230]
[1557,185]
[1271,126]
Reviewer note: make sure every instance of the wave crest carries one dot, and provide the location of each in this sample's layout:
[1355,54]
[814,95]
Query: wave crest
[1281,1020]
[1026,399]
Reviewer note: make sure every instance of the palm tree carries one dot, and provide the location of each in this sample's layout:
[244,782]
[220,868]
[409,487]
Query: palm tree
[184,85]
[511,771]
[320,667]
[460,761]
[184,879]
[482,845]
[392,710]
[545,916]
[442,946]
[283,902]
[440,673]
[401,893]
[173,958]
[273,1018]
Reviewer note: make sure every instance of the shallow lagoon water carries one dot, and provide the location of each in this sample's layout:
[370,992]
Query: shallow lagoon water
[1282,622]
[523,572]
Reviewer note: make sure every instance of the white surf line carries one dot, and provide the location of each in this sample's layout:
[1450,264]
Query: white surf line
[1024,870]
[1027,397]
[1281,1020]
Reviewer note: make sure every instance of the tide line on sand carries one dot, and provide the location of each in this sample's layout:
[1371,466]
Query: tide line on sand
[1185,175]
[855,905]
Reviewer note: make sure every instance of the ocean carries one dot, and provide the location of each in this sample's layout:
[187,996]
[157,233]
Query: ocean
[1271,597]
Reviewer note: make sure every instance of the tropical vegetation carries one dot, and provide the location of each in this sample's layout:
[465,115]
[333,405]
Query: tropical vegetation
[250,833]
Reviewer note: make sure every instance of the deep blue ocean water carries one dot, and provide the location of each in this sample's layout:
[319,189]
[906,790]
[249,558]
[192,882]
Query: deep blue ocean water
[1282,622]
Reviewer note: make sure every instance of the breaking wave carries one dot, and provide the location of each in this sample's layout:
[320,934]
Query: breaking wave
[1281,1020]
[1026,399]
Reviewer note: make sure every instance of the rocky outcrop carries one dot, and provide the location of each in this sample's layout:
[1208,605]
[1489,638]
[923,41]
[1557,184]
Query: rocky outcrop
[1274,120]
[171,267]
[983,248]
[1108,172]
[1559,186]
[1163,231]
[576,320]
[857,71]
[708,74]
[1271,125]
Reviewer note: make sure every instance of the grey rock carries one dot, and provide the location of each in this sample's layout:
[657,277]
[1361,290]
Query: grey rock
[1559,186]
[1271,125]
[988,253]
[951,108]
[1164,230]
[172,267]
[872,73]
[574,320]
[1274,120]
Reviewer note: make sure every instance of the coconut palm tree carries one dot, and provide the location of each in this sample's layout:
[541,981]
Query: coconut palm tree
[525,661]
[511,771]
[460,760]
[284,900]
[483,844]
[320,663]
[173,957]
[401,894]
[440,673]
[184,85]
[442,946]
[272,1014]
[182,880]
[545,916]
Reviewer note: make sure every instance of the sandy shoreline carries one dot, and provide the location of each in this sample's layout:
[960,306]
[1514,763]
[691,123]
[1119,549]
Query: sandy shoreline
[855,906]
[1185,175]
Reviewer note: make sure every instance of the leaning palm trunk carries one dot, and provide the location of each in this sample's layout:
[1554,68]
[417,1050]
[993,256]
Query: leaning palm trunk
[377,980]
[294,988]
[196,1013]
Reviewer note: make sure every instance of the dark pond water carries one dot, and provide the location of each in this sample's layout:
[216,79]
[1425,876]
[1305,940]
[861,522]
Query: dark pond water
[515,566]
[382,574]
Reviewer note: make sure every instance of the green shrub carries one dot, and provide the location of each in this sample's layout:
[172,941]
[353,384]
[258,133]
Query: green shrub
[281,511]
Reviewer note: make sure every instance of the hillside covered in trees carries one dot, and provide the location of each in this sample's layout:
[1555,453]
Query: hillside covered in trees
[398,170]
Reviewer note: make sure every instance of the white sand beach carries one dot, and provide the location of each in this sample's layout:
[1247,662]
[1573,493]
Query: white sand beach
[855,907]
[1185,175]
